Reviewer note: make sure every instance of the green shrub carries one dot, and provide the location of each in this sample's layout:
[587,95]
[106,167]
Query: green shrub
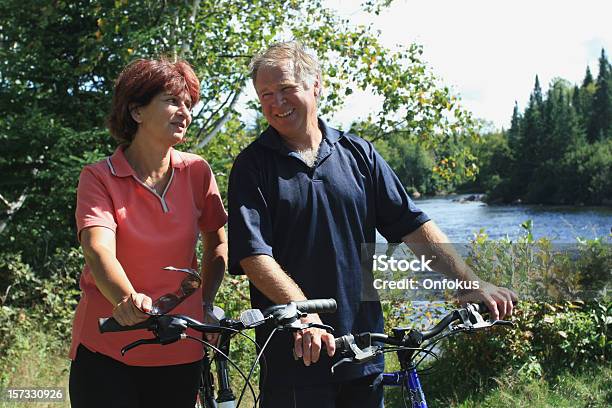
[49,301]
[544,339]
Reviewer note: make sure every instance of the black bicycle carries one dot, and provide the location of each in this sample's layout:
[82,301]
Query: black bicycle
[169,328]
[412,347]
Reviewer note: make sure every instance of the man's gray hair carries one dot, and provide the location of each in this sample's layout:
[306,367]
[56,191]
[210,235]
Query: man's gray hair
[306,67]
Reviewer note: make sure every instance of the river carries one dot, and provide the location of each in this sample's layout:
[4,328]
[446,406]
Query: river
[562,224]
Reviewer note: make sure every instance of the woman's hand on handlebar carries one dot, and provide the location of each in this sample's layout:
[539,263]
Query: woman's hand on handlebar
[209,317]
[498,300]
[131,309]
[308,342]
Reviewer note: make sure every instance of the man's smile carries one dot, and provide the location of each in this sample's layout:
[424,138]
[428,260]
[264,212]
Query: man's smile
[284,115]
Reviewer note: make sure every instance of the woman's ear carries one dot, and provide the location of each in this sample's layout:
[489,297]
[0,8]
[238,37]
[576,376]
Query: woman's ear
[135,112]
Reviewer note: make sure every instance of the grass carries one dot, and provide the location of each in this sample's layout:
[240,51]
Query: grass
[35,359]
[589,388]
[38,360]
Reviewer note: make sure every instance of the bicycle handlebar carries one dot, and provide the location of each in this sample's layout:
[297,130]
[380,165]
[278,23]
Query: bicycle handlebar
[317,306]
[168,328]
[361,349]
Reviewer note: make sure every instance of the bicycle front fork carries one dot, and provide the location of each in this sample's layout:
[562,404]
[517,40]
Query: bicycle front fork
[409,379]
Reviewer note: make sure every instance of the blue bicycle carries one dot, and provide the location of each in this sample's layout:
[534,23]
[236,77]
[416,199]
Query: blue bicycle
[411,347]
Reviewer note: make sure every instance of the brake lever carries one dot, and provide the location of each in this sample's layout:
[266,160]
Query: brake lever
[359,355]
[325,327]
[470,319]
[502,323]
[138,343]
[297,326]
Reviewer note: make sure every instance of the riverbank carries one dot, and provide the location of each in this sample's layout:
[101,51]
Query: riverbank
[460,220]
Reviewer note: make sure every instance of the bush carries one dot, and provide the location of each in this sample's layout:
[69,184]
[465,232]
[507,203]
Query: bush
[45,304]
[46,165]
[562,325]
[539,270]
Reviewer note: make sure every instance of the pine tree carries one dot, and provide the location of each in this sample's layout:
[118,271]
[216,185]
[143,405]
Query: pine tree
[529,153]
[514,132]
[600,124]
[576,102]
[588,78]
[537,94]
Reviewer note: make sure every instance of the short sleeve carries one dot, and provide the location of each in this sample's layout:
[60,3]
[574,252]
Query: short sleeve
[249,226]
[94,205]
[396,213]
[213,214]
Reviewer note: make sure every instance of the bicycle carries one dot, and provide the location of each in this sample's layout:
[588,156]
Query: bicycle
[169,328]
[206,392]
[409,344]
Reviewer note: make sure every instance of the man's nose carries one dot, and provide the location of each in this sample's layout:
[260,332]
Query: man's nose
[279,99]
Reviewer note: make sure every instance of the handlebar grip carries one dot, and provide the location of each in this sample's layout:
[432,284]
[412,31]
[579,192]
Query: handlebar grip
[317,306]
[481,308]
[109,324]
[341,344]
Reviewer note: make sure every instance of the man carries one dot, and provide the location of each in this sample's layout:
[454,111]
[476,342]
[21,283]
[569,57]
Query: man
[303,198]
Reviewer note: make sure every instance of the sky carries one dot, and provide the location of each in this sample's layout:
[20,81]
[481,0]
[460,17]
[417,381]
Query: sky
[489,51]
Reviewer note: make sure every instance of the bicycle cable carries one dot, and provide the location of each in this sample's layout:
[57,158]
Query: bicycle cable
[264,361]
[257,349]
[229,360]
[419,350]
[436,341]
[255,365]
[403,388]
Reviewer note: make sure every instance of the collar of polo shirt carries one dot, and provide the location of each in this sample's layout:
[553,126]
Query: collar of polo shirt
[120,167]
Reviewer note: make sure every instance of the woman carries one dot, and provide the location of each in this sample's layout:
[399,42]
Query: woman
[138,211]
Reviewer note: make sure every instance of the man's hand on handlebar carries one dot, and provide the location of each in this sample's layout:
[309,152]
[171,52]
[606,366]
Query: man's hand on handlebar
[308,342]
[498,300]
[130,310]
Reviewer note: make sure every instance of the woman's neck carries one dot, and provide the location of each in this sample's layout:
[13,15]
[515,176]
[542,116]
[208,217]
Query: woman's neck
[148,161]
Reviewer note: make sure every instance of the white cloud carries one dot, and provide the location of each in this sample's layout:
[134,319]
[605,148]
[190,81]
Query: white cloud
[490,51]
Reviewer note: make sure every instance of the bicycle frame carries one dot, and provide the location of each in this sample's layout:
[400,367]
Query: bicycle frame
[410,380]
[206,391]
[225,395]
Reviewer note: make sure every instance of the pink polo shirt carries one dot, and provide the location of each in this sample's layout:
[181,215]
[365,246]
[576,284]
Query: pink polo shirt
[152,232]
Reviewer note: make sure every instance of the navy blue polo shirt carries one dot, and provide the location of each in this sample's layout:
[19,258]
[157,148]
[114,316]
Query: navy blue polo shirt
[312,221]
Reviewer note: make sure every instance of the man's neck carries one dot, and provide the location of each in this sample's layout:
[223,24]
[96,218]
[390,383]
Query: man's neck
[308,140]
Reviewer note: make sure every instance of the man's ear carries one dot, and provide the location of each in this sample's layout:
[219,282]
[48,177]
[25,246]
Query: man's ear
[135,112]
[317,87]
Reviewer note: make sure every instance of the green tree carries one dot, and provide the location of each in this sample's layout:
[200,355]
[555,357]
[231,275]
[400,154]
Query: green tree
[562,132]
[588,78]
[538,99]
[600,124]
[585,171]
[495,162]
[412,163]
[532,133]
[514,133]
[58,61]
[584,99]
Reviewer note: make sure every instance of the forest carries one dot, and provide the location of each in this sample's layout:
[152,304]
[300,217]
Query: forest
[558,150]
